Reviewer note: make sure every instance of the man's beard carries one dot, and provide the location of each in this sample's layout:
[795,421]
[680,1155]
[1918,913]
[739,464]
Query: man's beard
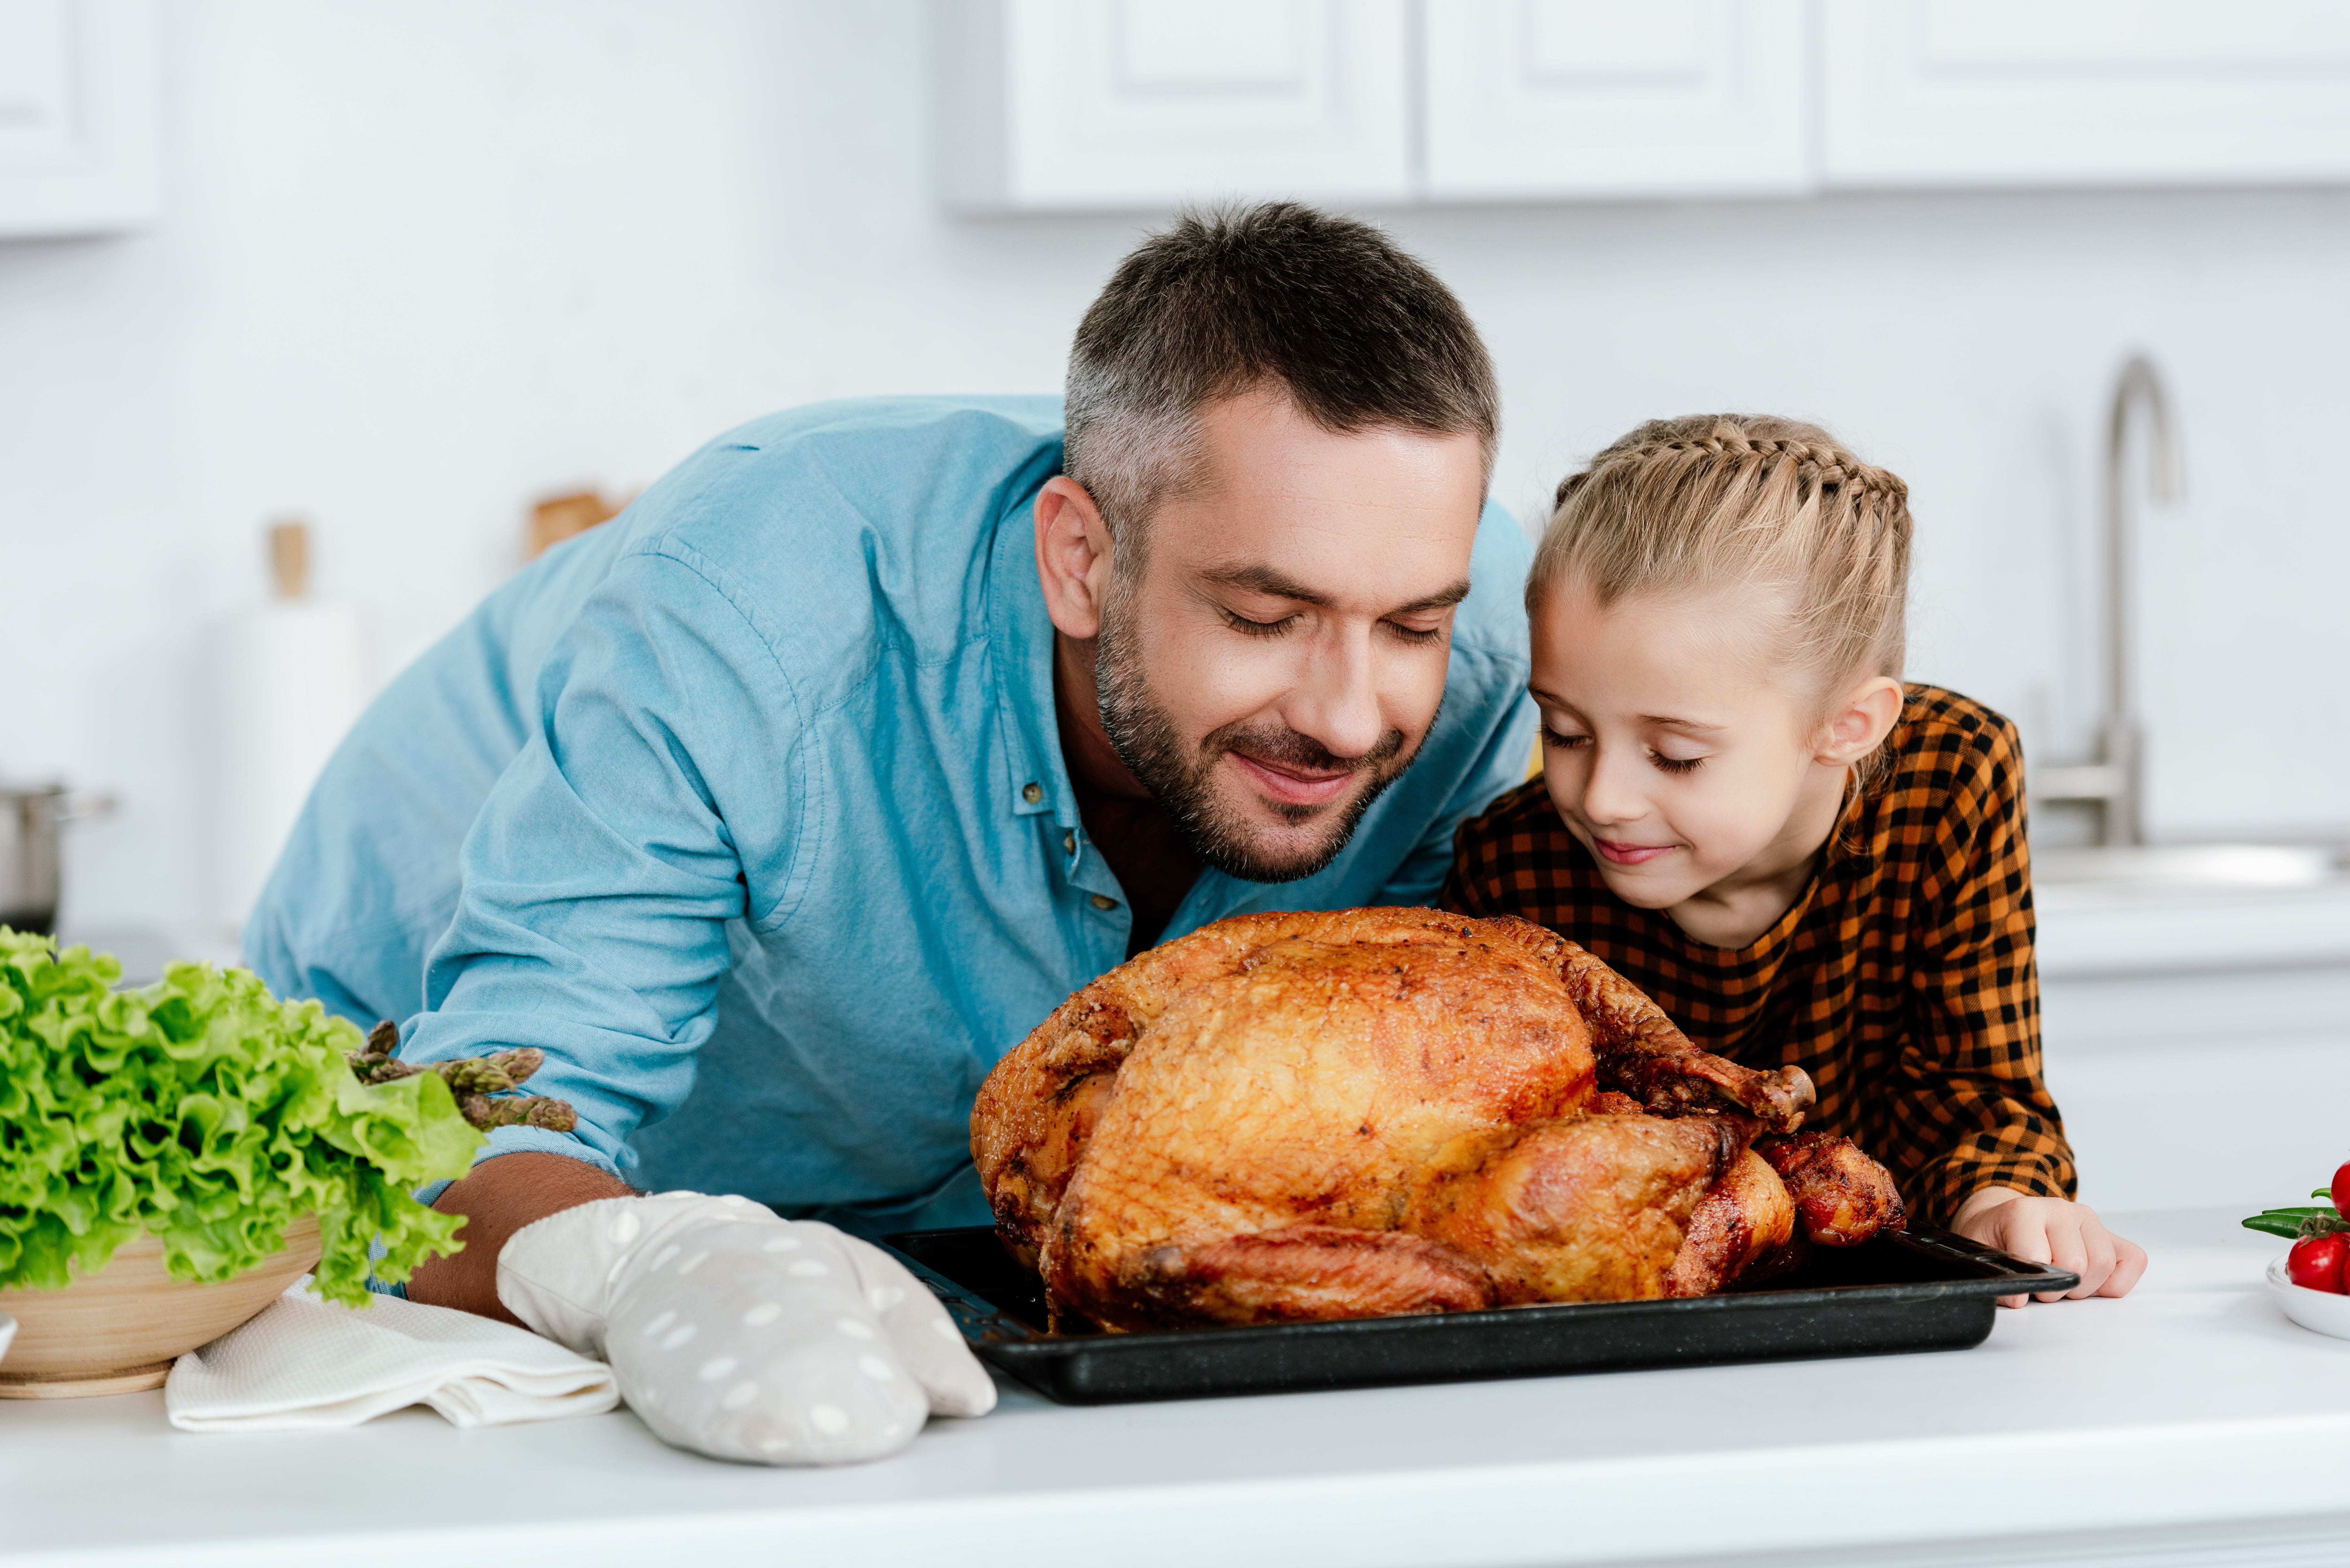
[1184,779]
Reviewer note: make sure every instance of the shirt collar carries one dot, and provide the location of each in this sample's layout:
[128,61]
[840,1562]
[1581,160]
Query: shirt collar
[1020,636]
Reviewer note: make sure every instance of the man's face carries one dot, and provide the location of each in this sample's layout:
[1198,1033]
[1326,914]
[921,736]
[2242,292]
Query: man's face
[1280,655]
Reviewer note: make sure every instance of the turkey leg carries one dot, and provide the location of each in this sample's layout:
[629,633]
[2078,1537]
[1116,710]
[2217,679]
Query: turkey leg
[1842,1197]
[1744,1218]
[1591,1208]
[1643,1054]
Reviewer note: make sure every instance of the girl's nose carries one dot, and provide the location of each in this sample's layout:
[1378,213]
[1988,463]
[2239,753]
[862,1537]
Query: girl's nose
[1607,796]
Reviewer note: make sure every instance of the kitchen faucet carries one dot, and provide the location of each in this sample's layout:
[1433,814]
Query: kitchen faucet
[2115,783]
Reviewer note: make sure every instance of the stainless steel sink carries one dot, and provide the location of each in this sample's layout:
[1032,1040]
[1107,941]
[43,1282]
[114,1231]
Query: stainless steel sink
[2181,866]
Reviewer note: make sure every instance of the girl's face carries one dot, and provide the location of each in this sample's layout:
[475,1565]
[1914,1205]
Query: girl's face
[1672,753]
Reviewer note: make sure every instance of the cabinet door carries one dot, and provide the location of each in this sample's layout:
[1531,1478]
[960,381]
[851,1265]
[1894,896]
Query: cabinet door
[1075,104]
[79,112]
[1534,99]
[2039,92]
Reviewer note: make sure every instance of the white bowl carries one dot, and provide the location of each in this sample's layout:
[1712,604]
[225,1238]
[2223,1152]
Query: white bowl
[2320,1310]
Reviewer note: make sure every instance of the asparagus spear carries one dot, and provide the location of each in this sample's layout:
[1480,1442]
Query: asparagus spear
[475,1080]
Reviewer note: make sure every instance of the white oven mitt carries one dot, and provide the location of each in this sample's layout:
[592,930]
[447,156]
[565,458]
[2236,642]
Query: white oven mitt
[743,1335]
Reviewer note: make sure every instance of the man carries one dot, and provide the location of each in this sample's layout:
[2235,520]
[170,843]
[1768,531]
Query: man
[778,809]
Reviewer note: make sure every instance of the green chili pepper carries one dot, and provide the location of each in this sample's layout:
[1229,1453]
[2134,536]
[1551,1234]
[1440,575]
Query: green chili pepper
[2299,1223]
[2288,1222]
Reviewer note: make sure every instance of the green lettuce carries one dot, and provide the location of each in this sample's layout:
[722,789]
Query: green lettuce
[204,1112]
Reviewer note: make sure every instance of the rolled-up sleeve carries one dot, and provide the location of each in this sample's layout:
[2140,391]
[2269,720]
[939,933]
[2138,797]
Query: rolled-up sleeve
[660,780]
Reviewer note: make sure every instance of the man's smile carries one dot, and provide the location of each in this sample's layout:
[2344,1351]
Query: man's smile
[1289,785]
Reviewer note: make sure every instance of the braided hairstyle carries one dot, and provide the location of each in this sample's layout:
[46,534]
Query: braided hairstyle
[1774,507]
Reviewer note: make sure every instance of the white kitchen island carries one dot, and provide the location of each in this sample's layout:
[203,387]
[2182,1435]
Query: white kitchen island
[2190,1424]
[2236,1001]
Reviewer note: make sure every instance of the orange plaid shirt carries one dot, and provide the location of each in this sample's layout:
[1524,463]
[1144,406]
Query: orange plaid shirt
[1902,980]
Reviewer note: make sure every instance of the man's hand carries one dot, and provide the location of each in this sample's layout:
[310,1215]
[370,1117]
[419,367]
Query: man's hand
[743,1336]
[501,1197]
[2052,1231]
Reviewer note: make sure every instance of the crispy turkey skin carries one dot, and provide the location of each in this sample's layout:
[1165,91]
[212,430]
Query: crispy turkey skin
[1351,1114]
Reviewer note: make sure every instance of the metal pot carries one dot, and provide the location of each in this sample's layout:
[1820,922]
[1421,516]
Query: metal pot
[29,821]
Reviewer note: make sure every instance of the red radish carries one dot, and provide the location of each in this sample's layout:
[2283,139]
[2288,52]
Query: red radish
[2315,1261]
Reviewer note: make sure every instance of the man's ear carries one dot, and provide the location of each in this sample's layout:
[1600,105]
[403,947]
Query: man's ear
[1858,724]
[1073,557]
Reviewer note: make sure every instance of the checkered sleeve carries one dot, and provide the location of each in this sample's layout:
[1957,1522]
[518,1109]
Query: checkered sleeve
[1968,1108]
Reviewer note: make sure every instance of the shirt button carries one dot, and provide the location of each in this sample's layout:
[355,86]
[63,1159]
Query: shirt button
[1031,793]
[1104,901]
[1069,843]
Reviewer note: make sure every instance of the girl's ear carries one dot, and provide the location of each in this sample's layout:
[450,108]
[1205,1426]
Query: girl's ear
[1858,724]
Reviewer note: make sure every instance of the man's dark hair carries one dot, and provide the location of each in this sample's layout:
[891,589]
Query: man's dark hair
[1356,332]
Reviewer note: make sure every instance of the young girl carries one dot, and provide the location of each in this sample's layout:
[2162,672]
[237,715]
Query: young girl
[1746,812]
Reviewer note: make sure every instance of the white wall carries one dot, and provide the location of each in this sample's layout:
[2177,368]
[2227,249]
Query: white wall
[424,262]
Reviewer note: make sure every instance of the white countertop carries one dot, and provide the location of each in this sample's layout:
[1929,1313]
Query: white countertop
[2190,1412]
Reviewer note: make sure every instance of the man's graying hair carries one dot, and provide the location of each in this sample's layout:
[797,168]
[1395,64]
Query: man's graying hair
[1357,333]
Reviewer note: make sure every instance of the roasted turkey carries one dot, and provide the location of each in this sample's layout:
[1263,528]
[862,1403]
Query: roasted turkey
[1349,1113]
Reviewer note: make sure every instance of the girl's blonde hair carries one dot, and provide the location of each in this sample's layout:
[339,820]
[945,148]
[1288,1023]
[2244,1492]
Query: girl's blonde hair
[1712,501]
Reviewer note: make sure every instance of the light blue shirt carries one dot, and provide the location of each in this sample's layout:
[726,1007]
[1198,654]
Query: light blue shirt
[748,808]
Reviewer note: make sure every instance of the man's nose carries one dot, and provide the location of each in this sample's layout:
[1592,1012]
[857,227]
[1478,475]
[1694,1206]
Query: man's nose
[1336,699]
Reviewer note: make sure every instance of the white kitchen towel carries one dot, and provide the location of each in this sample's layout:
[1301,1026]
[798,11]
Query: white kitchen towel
[306,1363]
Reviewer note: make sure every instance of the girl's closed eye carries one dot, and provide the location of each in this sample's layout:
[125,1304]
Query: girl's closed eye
[1567,741]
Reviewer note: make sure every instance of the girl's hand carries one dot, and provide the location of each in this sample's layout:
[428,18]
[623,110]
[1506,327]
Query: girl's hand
[2052,1231]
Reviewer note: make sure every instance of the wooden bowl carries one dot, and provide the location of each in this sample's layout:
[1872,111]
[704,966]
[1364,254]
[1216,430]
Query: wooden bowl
[120,1330]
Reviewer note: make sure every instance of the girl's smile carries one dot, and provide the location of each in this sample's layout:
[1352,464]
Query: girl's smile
[1630,853]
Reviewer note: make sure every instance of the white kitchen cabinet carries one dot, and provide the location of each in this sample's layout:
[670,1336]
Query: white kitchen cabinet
[1565,99]
[2234,1005]
[1925,93]
[2213,1089]
[1074,105]
[81,114]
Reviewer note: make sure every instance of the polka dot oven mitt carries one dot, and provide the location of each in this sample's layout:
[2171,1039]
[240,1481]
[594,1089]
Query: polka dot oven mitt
[742,1335]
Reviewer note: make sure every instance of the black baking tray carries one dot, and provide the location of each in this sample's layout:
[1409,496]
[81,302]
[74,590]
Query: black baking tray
[1921,1289]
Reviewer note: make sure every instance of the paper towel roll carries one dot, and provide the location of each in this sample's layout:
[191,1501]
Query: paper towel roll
[285,682]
